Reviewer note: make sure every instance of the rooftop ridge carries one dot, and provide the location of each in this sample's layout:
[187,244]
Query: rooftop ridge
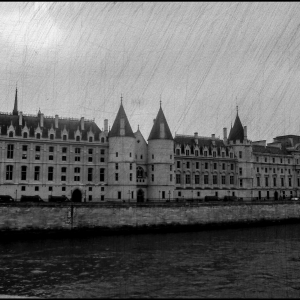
[198,137]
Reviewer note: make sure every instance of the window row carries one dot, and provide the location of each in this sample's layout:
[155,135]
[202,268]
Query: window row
[273,169]
[273,159]
[214,179]
[205,153]
[50,173]
[51,137]
[267,181]
[206,165]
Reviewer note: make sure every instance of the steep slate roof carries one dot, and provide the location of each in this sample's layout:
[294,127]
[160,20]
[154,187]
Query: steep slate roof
[115,130]
[269,150]
[32,123]
[202,142]
[237,131]
[155,131]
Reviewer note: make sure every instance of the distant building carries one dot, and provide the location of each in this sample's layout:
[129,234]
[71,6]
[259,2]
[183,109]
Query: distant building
[47,156]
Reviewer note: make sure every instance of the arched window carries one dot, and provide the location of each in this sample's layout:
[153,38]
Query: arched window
[38,136]
[51,136]
[25,135]
[90,139]
[102,140]
[64,137]
[11,134]
[77,138]
[139,172]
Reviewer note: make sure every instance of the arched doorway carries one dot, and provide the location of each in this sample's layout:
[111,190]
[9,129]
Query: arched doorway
[140,195]
[76,195]
[276,195]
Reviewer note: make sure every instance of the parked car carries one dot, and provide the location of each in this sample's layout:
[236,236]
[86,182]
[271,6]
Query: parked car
[6,199]
[59,199]
[230,198]
[211,198]
[35,198]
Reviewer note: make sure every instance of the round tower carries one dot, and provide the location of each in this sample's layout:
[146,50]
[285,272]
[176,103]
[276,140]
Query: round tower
[121,160]
[160,160]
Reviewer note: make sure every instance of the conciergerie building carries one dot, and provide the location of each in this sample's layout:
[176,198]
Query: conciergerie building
[54,156]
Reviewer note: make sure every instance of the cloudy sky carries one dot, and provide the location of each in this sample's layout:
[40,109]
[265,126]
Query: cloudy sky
[201,59]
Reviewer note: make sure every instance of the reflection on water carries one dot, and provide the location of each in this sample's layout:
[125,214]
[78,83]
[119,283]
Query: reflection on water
[248,262]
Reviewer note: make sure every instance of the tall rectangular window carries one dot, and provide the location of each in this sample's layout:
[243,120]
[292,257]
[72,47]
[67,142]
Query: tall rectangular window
[36,173]
[102,174]
[290,181]
[178,164]
[187,164]
[188,179]
[116,176]
[231,179]
[152,177]
[282,181]
[119,195]
[241,171]
[50,173]
[258,181]
[77,171]
[223,179]
[178,181]
[10,151]
[215,166]
[206,165]
[274,181]
[171,177]
[9,172]
[130,176]
[23,172]
[241,182]
[197,165]
[240,154]
[77,150]
[267,181]
[51,149]
[197,179]
[90,174]
[130,166]
[205,179]
[117,166]
[215,179]
[231,166]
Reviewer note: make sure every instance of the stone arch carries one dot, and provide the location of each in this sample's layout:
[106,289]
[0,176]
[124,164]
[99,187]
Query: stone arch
[77,195]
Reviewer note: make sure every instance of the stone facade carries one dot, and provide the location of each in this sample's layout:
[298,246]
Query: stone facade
[46,156]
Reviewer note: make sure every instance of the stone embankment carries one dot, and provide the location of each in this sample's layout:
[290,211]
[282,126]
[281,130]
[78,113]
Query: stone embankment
[111,218]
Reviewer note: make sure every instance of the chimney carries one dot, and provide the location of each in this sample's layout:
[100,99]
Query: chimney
[225,134]
[56,121]
[20,118]
[82,123]
[213,136]
[245,132]
[196,137]
[42,120]
[105,125]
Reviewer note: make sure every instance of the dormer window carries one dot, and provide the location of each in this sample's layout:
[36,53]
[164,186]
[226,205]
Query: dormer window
[187,152]
[38,136]
[90,139]
[25,135]
[102,140]
[77,138]
[64,137]
[11,134]
[51,136]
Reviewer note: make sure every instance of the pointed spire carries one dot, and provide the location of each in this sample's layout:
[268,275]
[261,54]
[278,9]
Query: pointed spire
[237,131]
[160,129]
[121,124]
[15,110]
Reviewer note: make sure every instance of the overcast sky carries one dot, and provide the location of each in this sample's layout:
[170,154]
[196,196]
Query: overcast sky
[201,59]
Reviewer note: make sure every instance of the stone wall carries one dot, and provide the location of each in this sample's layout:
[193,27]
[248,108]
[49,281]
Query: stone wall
[19,217]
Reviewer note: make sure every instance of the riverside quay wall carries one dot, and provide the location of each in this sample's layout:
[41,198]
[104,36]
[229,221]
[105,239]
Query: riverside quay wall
[109,218]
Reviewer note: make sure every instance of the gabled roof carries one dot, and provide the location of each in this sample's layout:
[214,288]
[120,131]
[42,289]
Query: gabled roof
[202,141]
[237,131]
[269,150]
[115,129]
[32,123]
[155,131]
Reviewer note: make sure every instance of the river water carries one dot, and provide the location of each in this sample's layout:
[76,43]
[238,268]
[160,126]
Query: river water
[249,262]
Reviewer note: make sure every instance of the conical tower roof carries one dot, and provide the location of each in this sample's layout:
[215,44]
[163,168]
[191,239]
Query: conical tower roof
[116,128]
[237,131]
[160,129]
